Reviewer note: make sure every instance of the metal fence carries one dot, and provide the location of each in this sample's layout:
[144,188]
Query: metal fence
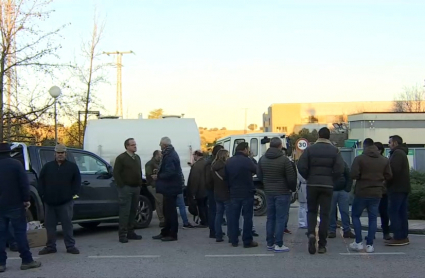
[416,157]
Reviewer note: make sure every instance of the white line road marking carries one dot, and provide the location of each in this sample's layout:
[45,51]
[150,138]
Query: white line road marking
[124,257]
[17,258]
[240,255]
[371,254]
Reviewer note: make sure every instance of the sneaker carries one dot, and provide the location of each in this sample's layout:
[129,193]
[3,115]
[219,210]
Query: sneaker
[188,226]
[2,268]
[356,246]
[158,237]
[13,248]
[322,250]
[33,264]
[397,242]
[270,248]
[387,237]
[254,233]
[169,238]
[47,250]
[287,232]
[219,240]
[251,245]
[134,236]
[201,226]
[303,227]
[280,249]
[370,249]
[332,235]
[123,240]
[73,250]
[312,244]
[349,234]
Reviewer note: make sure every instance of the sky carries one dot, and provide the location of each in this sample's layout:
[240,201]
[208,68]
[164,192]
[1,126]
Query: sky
[212,59]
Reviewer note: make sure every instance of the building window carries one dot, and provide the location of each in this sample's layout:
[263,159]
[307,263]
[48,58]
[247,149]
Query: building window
[282,128]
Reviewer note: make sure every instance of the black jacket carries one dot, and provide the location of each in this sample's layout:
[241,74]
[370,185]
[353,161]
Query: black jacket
[196,180]
[321,164]
[400,182]
[14,186]
[344,182]
[221,189]
[170,179]
[276,173]
[58,184]
[239,171]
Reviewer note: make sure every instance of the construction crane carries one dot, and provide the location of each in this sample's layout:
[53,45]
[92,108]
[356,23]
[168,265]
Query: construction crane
[119,109]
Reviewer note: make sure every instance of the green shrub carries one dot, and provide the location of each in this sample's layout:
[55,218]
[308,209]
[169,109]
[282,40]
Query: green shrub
[417,196]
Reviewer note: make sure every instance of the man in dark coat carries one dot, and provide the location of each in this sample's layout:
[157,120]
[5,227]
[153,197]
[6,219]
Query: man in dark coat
[398,189]
[14,199]
[151,168]
[169,183]
[59,182]
[238,174]
[320,164]
[197,191]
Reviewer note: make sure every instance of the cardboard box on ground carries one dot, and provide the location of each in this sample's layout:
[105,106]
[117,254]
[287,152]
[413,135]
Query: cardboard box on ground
[36,234]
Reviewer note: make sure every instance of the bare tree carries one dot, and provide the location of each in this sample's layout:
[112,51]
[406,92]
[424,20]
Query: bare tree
[24,45]
[411,100]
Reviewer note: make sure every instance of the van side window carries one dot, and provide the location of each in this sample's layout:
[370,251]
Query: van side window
[253,145]
[236,143]
[46,156]
[226,145]
[89,165]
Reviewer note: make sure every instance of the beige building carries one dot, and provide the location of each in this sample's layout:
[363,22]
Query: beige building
[292,117]
[380,126]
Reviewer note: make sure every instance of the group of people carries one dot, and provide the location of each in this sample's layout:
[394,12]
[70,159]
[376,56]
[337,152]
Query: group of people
[381,184]
[222,185]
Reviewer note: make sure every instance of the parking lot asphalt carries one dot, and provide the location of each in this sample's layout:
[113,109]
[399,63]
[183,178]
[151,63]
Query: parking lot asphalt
[196,255]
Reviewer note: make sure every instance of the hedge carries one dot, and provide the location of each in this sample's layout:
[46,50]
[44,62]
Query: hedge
[417,196]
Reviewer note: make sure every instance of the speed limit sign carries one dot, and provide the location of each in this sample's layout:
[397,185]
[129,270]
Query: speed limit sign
[301,144]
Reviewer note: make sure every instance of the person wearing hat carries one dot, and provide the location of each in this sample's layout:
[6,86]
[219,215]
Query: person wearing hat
[14,199]
[59,182]
[197,189]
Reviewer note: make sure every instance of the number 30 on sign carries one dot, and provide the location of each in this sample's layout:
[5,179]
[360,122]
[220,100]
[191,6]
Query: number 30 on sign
[301,144]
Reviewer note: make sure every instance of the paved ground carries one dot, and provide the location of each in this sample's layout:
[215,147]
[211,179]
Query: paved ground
[195,255]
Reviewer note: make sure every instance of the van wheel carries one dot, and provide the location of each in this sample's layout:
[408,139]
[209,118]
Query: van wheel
[260,203]
[144,213]
[89,225]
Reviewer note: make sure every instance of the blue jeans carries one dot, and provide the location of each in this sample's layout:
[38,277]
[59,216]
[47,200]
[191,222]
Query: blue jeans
[212,210]
[372,206]
[17,218]
[277,216]
[342,199]
[397,210]
[182,209]
[236,206]
[221,207]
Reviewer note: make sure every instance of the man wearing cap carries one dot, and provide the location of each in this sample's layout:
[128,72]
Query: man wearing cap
[59,182]
[14,199]
[196,187]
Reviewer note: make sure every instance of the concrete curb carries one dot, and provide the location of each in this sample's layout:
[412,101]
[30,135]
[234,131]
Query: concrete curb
[411,231]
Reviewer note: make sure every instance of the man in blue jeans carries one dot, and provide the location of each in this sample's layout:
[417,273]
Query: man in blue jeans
[398,189]
[370,170]
[238,176]
[14,199]
[277,174]
[341,198]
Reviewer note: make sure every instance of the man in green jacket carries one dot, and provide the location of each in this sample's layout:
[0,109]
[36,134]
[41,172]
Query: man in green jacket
[128,176]
[151,168]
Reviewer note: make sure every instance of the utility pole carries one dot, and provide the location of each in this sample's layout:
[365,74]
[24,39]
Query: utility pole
[245,129]
[119,109]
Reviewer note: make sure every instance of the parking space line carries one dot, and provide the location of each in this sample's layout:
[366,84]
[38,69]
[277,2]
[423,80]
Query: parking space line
[371,254]
[124,257]
[239,255]
[18,258]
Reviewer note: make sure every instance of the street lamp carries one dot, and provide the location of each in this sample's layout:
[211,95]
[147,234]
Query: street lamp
[55,92]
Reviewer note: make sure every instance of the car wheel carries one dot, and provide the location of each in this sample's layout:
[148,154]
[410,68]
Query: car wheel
[260,203]
[89,225]
[144,213]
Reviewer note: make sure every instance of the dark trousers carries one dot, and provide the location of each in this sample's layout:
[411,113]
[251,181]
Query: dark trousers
[319,197]
[212,210]
[383,212]
[16,218]
[11,242]
[222,208]
[203,210]
[246,205]
[171,218]
[397,210]
[62,214]
[128,198]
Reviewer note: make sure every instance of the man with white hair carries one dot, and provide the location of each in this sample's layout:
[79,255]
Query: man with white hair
[169,183]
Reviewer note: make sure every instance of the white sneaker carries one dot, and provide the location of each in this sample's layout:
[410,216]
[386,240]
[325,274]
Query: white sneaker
[356,246]
[270,248]
[279,249]
[370,249]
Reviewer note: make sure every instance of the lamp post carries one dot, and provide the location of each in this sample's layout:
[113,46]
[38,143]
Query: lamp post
[55,92]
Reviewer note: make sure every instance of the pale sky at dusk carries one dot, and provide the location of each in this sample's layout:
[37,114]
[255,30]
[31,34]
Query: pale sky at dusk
[211,59]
